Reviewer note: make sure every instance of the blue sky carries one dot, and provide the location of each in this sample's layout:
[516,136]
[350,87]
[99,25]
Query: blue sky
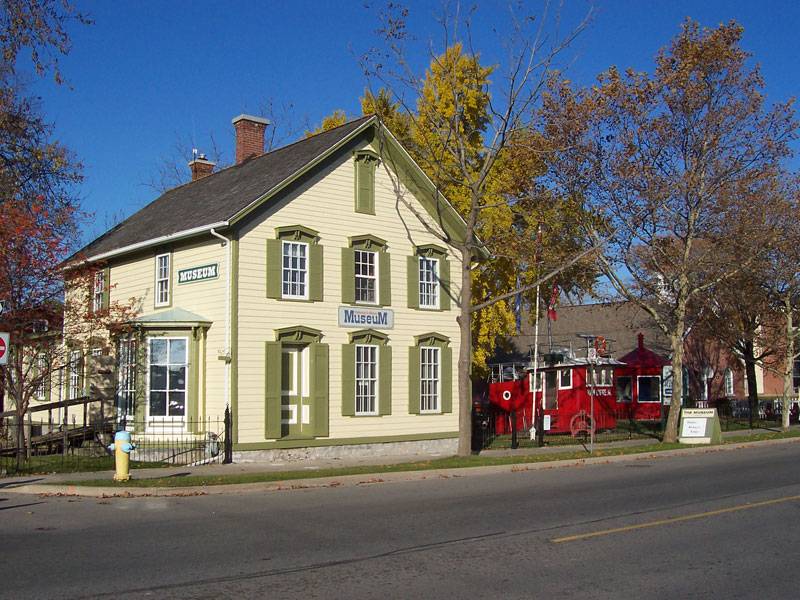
[149,73]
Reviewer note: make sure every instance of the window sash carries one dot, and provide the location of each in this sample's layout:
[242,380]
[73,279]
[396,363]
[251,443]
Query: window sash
[652,388]
[172,394]
[40,393]
[74,374]
[162,279]
[366,277]
[728,382]
[366,375]
[429,379]
[99,290]
[428,282]
[564,379]
[294,270]
[126,394]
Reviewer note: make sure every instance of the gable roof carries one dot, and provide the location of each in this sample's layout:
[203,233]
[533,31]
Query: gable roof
[618,322]
[217,198]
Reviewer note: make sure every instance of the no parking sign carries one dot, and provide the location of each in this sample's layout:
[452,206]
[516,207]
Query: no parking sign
[3,348]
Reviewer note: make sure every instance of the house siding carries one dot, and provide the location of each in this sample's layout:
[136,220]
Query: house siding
[325,202]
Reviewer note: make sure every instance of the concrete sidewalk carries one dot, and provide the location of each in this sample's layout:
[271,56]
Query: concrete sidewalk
[56,483]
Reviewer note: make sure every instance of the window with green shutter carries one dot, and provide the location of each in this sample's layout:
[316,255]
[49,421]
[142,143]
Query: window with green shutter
[430,375]
[367,374]
[366,272]
[366,162]
[428,283]
[295,265]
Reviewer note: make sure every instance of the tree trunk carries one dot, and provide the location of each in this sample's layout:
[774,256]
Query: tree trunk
[18,391]
[788,366]
[752,384]
[671,429]
[465,357]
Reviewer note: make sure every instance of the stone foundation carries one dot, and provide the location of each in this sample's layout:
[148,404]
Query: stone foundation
[415,449]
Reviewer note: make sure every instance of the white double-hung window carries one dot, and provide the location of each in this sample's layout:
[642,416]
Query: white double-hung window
[294,273]
[366,379]
[75,368]
[366,271]
[429,379]
[167,377]
[98,293]
[428,282]
[163,269]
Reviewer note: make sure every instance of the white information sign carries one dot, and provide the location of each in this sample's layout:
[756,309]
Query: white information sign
[546,425]
[4,346]
[693,428]
[376,318]
[700,426]
[666,379]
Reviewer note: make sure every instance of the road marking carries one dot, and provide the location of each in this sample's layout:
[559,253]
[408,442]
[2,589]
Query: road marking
[711,513]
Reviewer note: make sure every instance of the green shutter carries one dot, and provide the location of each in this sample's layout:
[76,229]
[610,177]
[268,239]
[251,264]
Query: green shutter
[319,388]
[385,380]
[274,252]
[348,276]
[384,279]
[413,282]
[106,288]
[348,380]
[444,280]
[315,273]
[272,393]
[413,380]
[365,186]
[447,380]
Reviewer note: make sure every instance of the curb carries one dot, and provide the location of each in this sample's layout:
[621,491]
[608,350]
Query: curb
[45,490]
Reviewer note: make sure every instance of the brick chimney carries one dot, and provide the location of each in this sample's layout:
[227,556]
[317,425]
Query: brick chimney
[201,167]
[249,136]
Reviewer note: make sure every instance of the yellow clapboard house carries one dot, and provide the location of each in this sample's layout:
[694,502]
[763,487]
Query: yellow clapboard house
[306,288]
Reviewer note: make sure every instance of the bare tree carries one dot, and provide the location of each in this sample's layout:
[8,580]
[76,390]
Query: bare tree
[459,147]
[680,165]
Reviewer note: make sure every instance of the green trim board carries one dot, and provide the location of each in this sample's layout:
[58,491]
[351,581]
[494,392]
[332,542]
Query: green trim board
[298,334]
[385,439]
[234,324]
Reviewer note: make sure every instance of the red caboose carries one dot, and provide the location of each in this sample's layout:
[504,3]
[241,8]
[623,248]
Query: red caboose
[638,384]
[566,386]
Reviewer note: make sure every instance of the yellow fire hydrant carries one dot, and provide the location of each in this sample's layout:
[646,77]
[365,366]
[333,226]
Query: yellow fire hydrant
[122,448]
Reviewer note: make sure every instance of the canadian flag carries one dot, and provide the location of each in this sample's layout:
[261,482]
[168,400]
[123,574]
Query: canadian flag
[551,308]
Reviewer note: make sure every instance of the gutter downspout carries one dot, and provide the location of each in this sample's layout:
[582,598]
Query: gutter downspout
[226,243]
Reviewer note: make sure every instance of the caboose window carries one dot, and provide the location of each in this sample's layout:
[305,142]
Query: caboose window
[649,388]
[624,389]
[564,379]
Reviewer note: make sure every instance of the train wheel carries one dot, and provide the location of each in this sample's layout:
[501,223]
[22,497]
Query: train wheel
[581,424]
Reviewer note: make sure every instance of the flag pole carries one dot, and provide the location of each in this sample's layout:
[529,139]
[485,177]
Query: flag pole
[535,386]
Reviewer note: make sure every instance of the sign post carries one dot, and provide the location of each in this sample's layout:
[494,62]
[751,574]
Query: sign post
[4,346]
[700,426]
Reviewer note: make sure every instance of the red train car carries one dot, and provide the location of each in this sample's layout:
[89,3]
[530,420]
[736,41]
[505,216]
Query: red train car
[578,394]
[566,386]
[638,384]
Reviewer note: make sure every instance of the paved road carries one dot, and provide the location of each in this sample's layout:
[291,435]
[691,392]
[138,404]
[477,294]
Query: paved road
[715,525]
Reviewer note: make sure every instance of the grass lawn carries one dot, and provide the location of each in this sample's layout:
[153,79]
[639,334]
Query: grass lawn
[70,463]
[453,462]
